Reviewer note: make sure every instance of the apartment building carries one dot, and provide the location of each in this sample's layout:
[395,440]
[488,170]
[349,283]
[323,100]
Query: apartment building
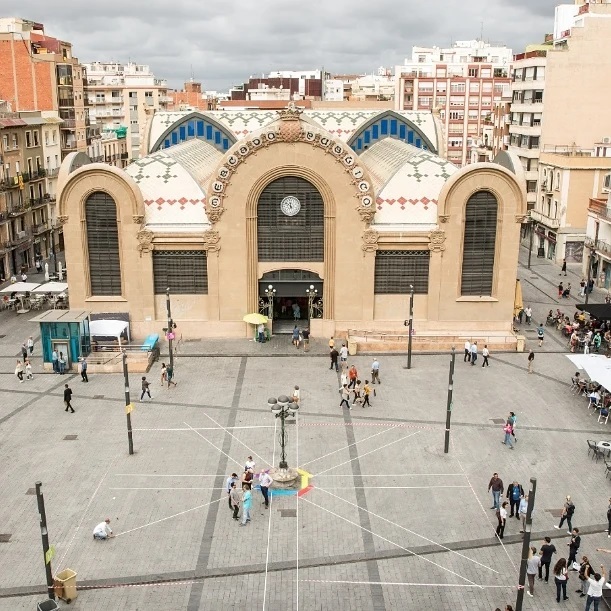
[121,94]
[461,83]
[556,120]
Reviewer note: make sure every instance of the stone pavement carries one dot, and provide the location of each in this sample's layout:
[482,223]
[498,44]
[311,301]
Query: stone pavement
[389,513]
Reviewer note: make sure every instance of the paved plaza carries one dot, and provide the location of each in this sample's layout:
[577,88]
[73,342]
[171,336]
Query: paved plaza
[390,520]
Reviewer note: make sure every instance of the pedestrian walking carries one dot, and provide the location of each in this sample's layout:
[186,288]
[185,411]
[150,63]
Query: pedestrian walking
[28,370]
[567,514]
[345,393]
[54,361]
[84,377]
[366,393]
[375,371]
[514,494]
[68,398]
[467,358]
[334,354]
[246,504]
[235,500]
[232,480]
[343,355]
[473,353]
[19,371]
[30,344]
[164,374]
[531,358]
[522,511]
[306,340]
[548,549]
[560,577]
[563,270]
[512,419]
[532,568]
[24,352]
[496,485]
[61,361]
[485,354]
[573,544]
[103,531]
[507,429]
[596,583]
[540,334]
[169,374]
[265,481]
[352,376]
[501,515]
[145,389]
[585,568]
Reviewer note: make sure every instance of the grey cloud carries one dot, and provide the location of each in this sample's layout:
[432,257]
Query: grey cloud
[227,42]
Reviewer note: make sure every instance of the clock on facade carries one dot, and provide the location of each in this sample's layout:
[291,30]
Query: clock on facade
[290,205]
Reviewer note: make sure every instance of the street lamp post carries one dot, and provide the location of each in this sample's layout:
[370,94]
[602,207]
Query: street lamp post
[44,533]
[312,293]
[282,408]
[410,323]
[128,405]
[446,445]
[526,543]
[170,329]
[270,291]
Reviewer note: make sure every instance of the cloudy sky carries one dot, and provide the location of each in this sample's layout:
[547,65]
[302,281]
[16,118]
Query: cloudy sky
[226,41]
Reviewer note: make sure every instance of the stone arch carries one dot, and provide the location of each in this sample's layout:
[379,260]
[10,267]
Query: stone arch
[204,128]
[383,125]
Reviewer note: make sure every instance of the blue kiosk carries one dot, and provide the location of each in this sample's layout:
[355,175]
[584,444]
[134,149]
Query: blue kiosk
[65,331]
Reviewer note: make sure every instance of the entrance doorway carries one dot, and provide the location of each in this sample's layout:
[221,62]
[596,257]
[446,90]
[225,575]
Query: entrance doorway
[285,296]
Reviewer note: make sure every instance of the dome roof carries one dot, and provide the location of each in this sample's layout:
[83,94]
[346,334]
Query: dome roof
[407,182]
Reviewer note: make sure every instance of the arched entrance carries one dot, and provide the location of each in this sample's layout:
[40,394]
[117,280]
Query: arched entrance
[290,297]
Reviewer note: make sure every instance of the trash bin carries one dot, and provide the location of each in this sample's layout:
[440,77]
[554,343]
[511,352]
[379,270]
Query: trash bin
[47,605]
[351,347]
[67,580]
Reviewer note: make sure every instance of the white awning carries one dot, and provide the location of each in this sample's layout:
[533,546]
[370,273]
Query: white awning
[20,287]
[52,287]
[108,328]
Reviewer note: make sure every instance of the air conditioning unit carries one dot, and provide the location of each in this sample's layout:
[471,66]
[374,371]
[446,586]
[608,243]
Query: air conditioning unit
[607,183]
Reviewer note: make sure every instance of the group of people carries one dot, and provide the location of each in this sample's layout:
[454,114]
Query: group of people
[239,491]
[539,561]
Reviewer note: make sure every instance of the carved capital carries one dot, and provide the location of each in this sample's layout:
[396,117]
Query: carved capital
[62,219]
[437,239]
[145,241]
[370,241]
[138,219]
[211,241]
[445,218]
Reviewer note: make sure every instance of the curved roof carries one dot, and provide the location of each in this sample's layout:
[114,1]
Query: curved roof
[342,124]
[172,183]
[407,182]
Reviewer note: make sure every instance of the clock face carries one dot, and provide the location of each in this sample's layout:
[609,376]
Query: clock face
[290,205]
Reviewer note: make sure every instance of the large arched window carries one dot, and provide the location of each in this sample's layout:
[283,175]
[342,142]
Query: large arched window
[479,244]
[103,244]
[291,221]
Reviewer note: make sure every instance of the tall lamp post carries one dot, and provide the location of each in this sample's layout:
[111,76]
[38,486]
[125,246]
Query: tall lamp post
[410,323]
[312,293]
[282,408]
[270,292]
[526,543]
[170,330]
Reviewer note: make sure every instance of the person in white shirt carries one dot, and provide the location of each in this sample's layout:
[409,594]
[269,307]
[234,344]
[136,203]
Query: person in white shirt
[265,481]
[595,591]
[103,531]
[467,358]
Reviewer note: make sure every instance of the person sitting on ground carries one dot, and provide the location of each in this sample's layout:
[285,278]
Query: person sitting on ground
[103,531]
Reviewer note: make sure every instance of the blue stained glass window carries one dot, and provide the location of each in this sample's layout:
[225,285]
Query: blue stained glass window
[384,127]
[200,129]
[393,127]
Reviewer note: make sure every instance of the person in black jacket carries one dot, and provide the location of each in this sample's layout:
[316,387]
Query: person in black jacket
[514,493]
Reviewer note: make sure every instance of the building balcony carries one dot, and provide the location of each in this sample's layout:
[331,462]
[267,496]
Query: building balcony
[545,220]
